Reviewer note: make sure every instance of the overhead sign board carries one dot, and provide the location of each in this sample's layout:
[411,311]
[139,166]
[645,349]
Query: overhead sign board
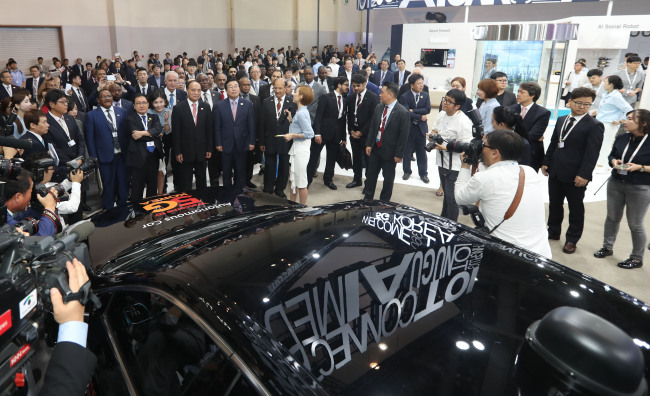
[383,4]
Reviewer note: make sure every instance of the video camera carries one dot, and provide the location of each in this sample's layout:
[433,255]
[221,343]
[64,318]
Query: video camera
[472,149]
[30,267]
[87,166]
[38,170]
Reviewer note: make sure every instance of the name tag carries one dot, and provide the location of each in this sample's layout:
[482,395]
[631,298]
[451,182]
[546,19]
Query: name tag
[150,144]
[114,134]
[71,143]
[560,145]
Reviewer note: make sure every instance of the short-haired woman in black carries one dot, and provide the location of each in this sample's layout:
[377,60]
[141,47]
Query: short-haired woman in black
[629,187]
[505,119]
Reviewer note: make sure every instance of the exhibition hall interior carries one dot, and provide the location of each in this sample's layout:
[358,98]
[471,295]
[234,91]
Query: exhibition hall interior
[523,119]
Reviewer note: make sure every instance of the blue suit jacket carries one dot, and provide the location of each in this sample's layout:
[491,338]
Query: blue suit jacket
[423,107]
[237,134]
[99,136]
[376,77]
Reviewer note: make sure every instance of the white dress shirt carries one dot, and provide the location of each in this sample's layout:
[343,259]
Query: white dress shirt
[495,187]
[459,127]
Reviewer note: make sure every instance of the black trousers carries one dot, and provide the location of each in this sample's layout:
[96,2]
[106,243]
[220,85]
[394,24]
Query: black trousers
[236,161]
[183,175]
[358,147]
[250,162]
[146,176]
[332,147]
[387,167]
[557,191]
[416,143]
[214,167]
[273,165]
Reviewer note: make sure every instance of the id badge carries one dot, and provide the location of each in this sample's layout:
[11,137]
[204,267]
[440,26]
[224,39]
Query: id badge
[114,134]
[150,146]
[71,143]
[379,136]
[560,145]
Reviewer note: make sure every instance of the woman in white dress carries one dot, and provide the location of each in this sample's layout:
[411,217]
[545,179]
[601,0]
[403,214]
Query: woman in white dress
[301,132]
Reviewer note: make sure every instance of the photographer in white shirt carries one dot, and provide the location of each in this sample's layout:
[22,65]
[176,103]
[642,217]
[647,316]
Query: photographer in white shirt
[496,187]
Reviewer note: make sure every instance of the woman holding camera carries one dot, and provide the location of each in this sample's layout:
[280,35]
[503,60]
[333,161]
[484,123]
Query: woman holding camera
[301,132]
[629,186]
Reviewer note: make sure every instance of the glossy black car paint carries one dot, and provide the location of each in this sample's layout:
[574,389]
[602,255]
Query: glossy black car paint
[349,291]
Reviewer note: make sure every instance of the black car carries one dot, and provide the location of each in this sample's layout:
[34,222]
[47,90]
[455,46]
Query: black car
[216,293]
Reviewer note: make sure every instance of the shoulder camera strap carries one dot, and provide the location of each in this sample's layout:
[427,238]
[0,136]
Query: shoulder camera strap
[515,201]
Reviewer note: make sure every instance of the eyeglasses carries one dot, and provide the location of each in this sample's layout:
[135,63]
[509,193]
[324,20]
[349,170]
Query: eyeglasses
[490,147]
[583,104]
[62,101]
[505,80]
[445,100]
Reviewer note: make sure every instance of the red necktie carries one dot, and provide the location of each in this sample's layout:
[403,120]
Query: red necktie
[222,95]
[278,108]
[383,124]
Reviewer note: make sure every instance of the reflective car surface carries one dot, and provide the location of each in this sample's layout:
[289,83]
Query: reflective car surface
[220,293]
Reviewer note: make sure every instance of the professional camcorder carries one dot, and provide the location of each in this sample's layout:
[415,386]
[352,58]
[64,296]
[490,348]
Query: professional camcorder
[38,170]
[10,168]
[87,166]
[30,267]
[472,149]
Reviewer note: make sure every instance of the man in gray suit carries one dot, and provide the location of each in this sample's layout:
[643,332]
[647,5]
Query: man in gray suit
[387,137]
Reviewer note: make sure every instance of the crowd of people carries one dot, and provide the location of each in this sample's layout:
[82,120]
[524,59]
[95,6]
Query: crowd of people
[208,120]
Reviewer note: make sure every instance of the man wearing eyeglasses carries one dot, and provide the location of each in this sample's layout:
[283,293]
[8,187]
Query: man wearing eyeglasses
[569,164]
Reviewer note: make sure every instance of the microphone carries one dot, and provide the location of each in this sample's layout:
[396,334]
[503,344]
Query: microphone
[76,234]
[15,143]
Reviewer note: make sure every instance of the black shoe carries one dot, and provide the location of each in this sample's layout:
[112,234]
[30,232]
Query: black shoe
[250,184]
[353,184]
[331,185]
[261,172]
[86,208]
[603,252]
[281,194]
[630,264]
[412,158]
[315,175]
[406,176]
[425,179]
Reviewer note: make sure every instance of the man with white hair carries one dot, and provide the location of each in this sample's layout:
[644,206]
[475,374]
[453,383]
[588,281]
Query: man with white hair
[173,95]
[256,81]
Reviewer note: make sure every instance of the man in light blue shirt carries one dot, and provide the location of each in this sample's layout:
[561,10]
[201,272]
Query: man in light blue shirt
[17,76]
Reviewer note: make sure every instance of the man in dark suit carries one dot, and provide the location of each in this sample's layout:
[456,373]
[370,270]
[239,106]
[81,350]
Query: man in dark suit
[144,85]
[71,365]
[174,95]
[210,98]
[266,91]
[78,94]
[193,138]
[324,80]
[247,93]
[37,127]
[7,89]
[34,82]
[348,70]
[569,163]
[366,69]
[157,79]
[361,106]
[418,104]
[383,75]
[387,136]
[329,131]
[504,97]
[87,77]
[64,133]
[234,126]
[401,75]
[273,122]
[535,119]
[145,149]
[108,140]
[116,91]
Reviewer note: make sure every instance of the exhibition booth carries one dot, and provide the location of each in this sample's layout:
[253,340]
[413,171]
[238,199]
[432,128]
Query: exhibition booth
[543,52]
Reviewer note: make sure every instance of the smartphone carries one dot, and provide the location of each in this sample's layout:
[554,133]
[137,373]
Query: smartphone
[622,166]
[117,54]
[111,77]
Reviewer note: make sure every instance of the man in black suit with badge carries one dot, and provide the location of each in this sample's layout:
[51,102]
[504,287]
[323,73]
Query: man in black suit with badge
[329,130]
[37,127]
[145,149]
[361,106]
[272,126]
[535,119]
[64,133]
[387,136]
[7,89]
[569,163]
[193,139]
[34,82]
[418,104]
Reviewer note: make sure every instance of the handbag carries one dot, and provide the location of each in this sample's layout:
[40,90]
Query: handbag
[344,158]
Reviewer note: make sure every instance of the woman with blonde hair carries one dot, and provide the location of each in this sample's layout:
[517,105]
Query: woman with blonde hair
[301,132]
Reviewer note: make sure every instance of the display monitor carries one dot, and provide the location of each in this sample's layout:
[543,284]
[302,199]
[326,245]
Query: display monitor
[434,57]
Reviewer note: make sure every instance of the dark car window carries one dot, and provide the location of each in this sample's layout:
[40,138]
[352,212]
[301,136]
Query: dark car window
[166,353]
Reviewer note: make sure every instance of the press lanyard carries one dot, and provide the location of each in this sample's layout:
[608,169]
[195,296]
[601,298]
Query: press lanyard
[629,161]
[566,120]
[628,79]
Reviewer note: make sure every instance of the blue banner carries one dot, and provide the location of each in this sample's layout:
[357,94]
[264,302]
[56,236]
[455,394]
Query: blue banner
[384,4]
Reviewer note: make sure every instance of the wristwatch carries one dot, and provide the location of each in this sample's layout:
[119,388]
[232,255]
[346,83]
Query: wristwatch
[642,168]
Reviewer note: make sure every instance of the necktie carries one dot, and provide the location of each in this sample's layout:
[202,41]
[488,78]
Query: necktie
[356,110]
[144,121]
[257,90]
[339,105]
[383,124]
[8,88]
[222,94]
[383,74]
[194,112]
[84,106]
[171,100]
[116,142]
[568,127]
[205,97]
[278,108]
[144,89]
[35,88]
[64,126]
[234,109]
[118,104]
[417,99]
[524,110]
[110,119]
